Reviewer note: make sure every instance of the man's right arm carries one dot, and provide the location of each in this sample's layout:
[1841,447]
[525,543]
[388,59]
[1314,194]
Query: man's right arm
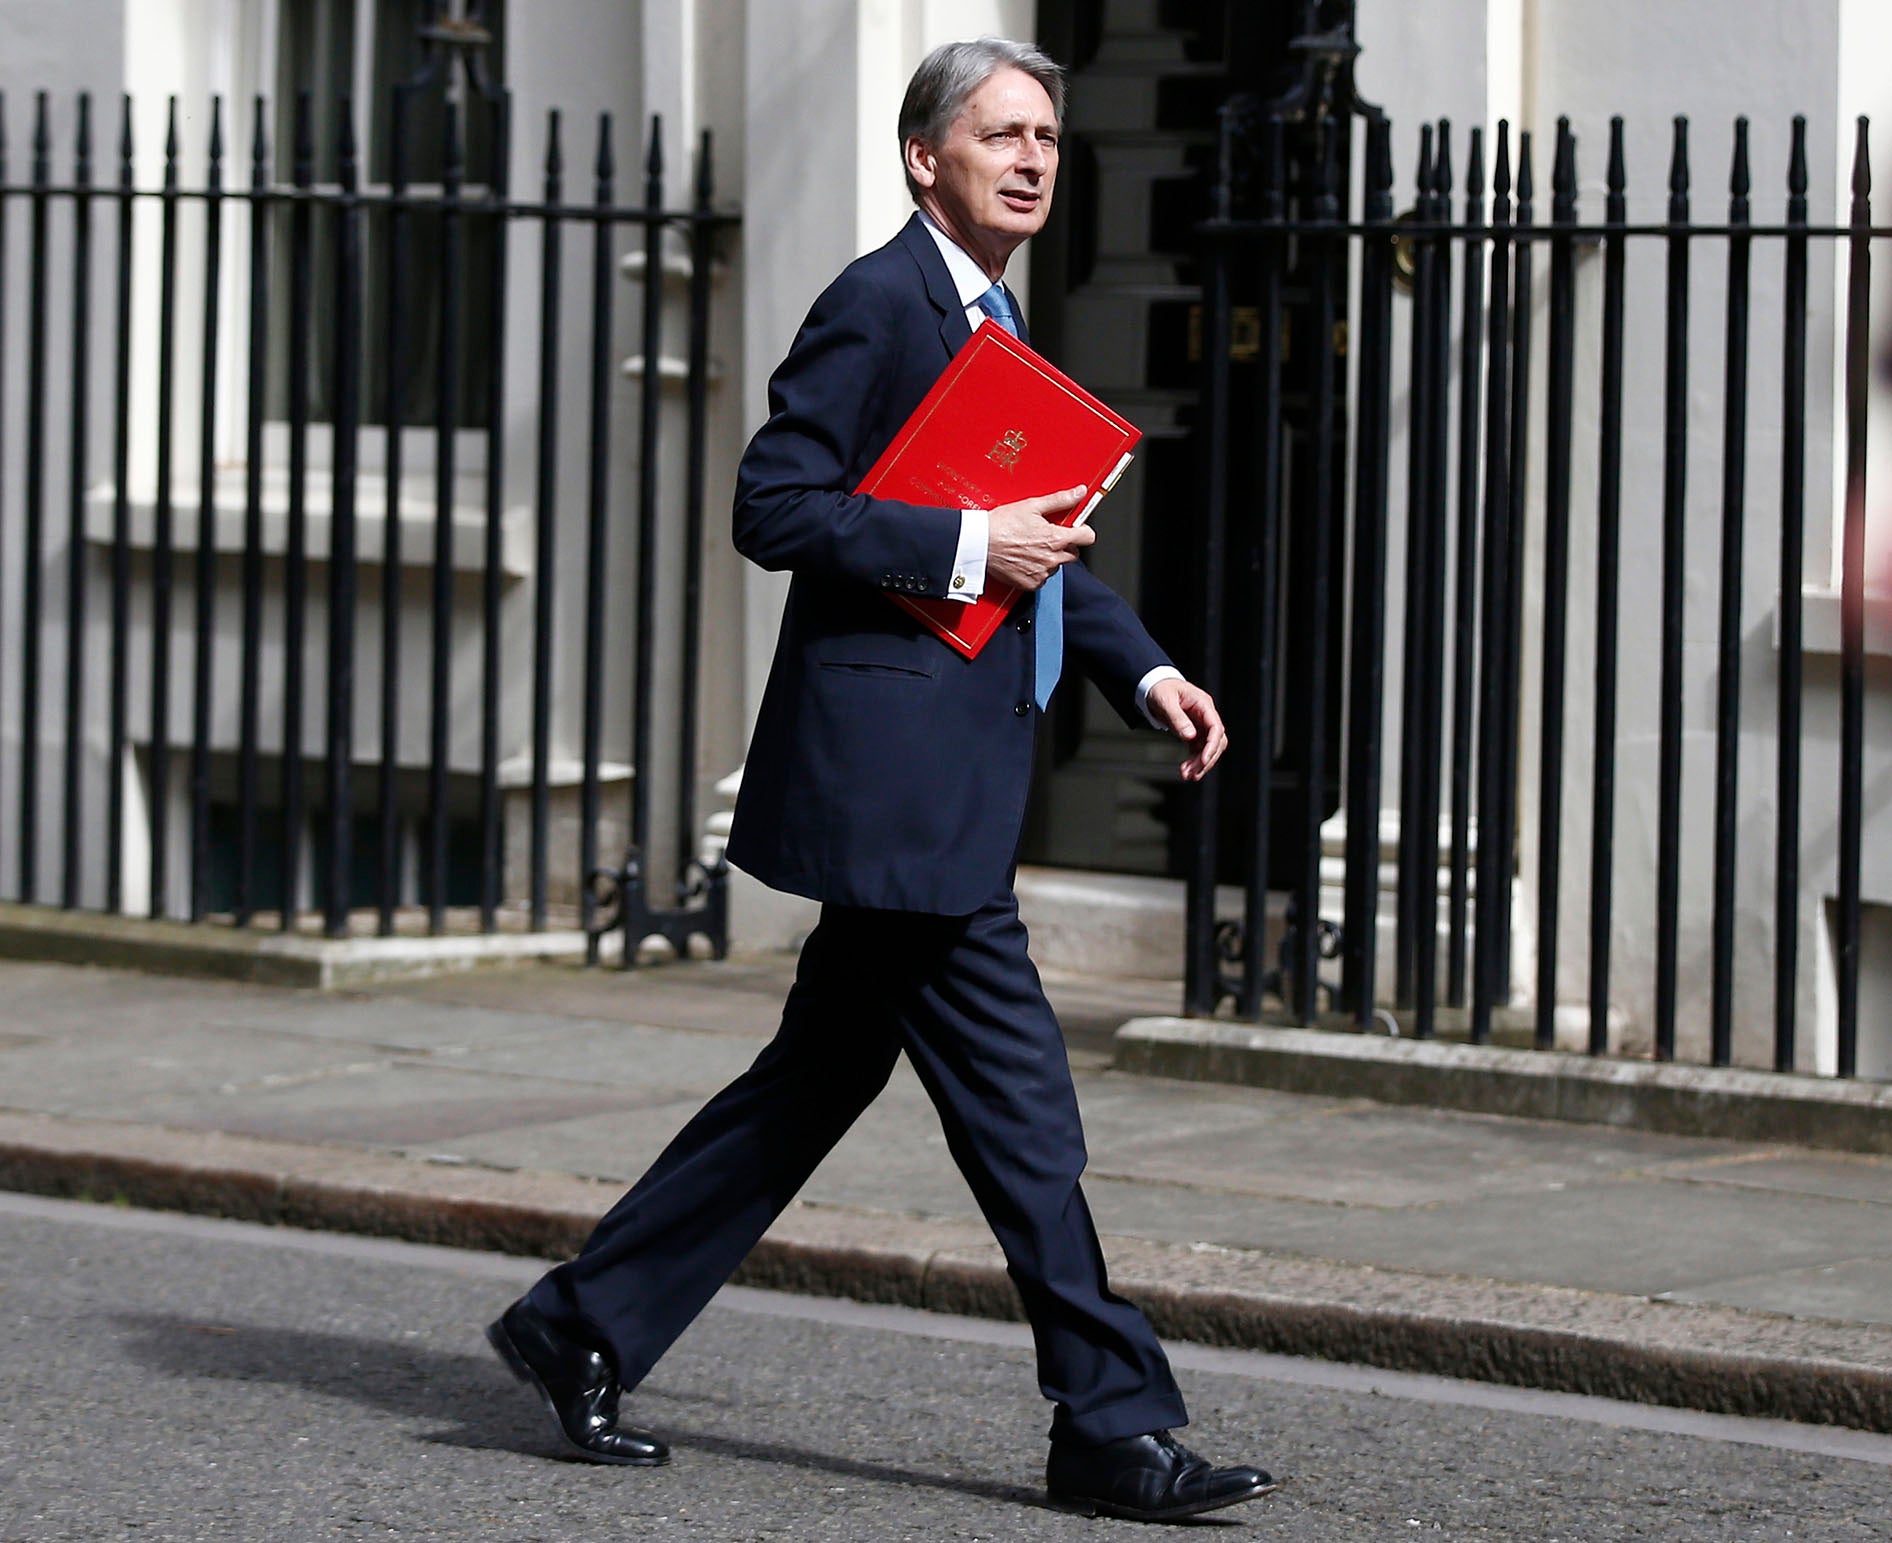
[795,508]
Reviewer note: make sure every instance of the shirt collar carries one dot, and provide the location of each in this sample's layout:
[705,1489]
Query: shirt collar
[968,277]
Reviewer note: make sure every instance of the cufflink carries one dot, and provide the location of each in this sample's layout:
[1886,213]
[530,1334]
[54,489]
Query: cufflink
[959,581]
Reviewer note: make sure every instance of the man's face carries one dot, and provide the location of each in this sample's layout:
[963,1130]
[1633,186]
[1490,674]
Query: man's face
[988,186]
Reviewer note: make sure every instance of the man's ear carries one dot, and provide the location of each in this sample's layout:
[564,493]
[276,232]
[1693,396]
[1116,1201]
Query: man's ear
[920,161]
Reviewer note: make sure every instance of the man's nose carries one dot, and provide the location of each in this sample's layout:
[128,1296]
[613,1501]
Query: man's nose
[1031,157]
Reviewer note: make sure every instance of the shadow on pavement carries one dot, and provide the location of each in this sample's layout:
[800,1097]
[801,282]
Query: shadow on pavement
[493,1414]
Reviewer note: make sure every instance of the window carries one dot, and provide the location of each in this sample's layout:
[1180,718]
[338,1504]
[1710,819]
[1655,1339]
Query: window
[370,50]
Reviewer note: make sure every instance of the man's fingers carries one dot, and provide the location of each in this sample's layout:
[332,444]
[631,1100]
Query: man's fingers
[1026,545]
[1055,503]
[1046,506]
[1180,723]
[1206,755]
[1190,715]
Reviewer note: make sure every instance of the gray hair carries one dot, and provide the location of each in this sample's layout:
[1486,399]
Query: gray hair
[952,72]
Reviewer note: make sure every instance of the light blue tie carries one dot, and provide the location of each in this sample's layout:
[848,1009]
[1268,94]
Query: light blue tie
[1049,659]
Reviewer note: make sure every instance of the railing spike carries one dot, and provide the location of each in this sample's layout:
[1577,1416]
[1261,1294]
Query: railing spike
[1379,169]
[305,137]
[170,135]
[1563,170]
[1442,166]
[454,155]
[654,164]
[705,170]
[1797,160]
[1618,170]
[1422,179]
[554,150]
[1563,175]
[1326,171]
[1501,163]
[1739,182]
[1475,165]
[216,131]
[1678,162]
[82,140]
[42,135]
[1274,166]
[259,145]
[345,137]
[606,163]
[1862,162]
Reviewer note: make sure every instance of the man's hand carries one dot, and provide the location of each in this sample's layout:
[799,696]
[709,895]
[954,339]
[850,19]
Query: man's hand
[1190,713]
[1023,545]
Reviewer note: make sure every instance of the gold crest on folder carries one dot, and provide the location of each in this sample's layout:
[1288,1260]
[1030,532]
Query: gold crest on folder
[1007,450]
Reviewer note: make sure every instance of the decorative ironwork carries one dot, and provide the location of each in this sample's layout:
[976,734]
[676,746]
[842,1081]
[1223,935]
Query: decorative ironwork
[621,904]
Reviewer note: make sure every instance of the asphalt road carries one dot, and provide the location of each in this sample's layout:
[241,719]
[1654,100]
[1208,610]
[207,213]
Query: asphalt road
[172,1378]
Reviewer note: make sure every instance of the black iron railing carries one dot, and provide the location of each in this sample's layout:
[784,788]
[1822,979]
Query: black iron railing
[374,831]
[1497,315]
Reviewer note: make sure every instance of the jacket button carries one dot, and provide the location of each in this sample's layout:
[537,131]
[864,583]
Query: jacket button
[1021,708]
[1024,622]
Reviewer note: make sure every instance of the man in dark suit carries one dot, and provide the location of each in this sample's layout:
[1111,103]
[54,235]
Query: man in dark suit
[887,778]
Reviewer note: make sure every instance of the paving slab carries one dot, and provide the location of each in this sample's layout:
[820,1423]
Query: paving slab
[390,1105]
[615,1147]
[1637,1236]
[125,1070]
[1834,1175]
[1856,1290]
[1380,1157]
[589,1052]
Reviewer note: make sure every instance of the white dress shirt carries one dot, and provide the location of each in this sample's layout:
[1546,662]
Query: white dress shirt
[968,575]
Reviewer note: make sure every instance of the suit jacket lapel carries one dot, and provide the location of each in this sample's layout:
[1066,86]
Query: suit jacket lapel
[954,332]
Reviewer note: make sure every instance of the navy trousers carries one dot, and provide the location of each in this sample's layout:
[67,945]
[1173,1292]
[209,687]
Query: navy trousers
[962,998]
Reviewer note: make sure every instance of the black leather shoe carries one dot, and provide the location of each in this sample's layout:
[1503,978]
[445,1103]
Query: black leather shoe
[578,1387]
[1153,1478]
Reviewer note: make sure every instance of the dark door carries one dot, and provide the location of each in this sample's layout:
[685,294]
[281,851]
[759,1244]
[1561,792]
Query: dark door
[1116,300]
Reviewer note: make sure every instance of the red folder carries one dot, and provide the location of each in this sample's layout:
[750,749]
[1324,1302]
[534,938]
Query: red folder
[1000,425]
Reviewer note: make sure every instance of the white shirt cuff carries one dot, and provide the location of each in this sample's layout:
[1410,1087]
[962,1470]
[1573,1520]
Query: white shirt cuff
[1161,672]
[968,579]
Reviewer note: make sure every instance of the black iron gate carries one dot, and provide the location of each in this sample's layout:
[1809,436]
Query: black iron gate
[367,311]
[1491,286]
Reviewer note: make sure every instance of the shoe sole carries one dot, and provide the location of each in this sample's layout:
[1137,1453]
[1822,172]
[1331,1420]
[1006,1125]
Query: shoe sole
[1084,1506]
[508,1352]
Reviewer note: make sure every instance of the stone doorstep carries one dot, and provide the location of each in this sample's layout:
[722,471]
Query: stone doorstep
[266,957]
[1696,1356]
[1728,1102]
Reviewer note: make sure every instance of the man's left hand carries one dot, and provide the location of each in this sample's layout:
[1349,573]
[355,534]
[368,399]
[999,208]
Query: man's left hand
[1189,713]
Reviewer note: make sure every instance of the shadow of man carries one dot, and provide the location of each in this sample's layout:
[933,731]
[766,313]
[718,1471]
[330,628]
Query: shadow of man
[415,1382]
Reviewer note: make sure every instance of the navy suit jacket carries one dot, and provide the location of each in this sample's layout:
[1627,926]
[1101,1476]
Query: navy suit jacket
[886,770]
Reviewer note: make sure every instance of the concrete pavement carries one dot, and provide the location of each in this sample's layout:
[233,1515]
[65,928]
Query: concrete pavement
[506,1107]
